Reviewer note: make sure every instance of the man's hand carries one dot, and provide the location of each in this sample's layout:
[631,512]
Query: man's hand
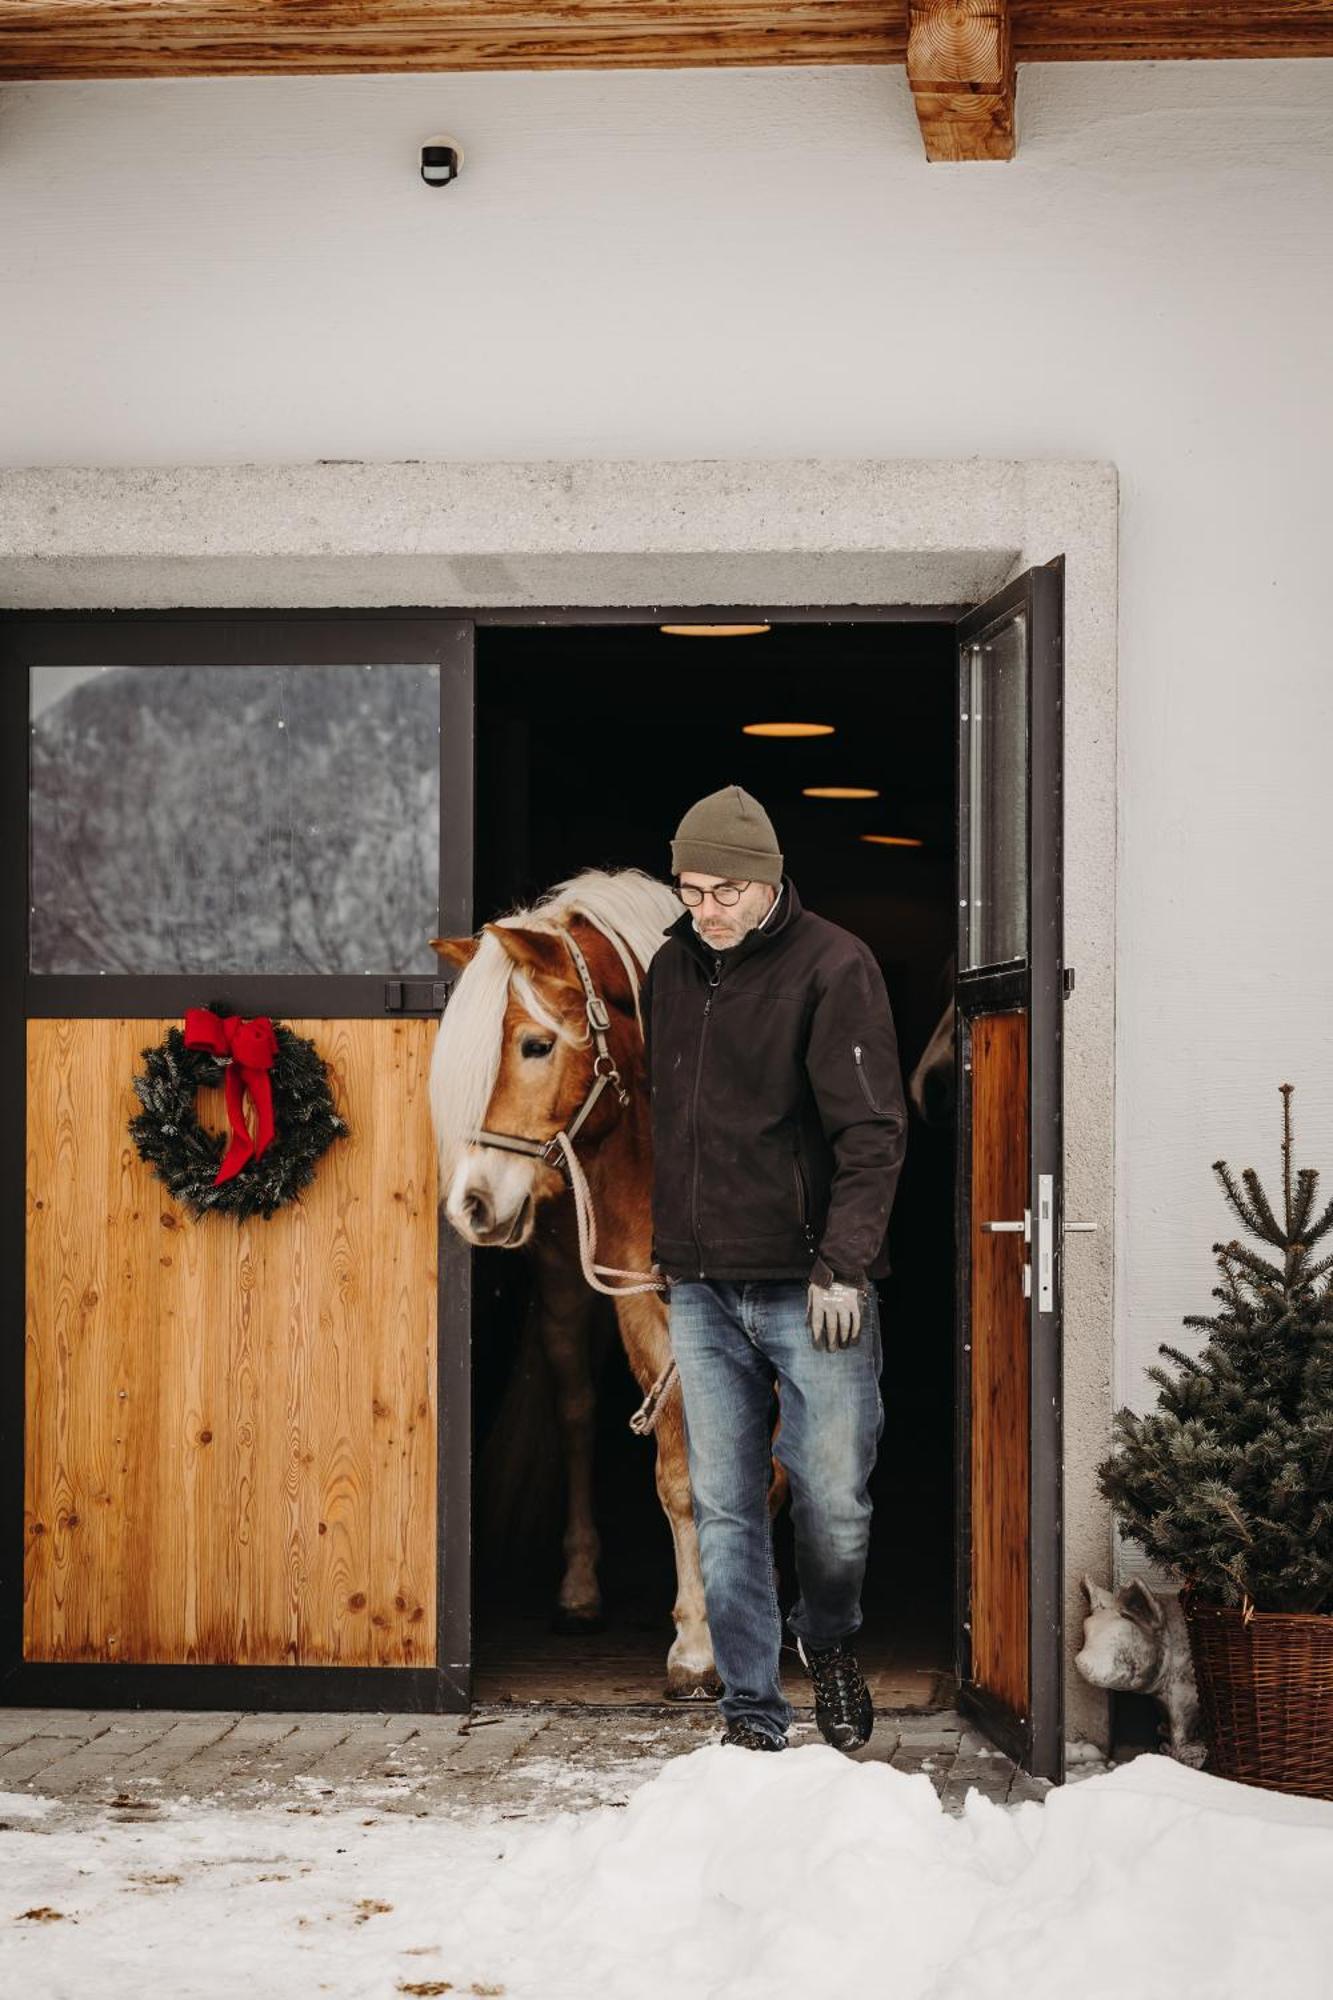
[833,1309]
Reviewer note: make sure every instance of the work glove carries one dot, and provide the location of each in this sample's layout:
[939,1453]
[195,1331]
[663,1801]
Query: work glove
[833,1309]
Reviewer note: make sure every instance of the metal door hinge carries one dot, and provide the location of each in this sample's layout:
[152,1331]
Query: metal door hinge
[1068,977]
[415,996]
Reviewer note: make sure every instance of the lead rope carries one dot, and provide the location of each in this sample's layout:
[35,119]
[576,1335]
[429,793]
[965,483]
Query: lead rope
[645,1417]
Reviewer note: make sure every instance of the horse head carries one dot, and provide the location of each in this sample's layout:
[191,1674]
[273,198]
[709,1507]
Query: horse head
[517,1059]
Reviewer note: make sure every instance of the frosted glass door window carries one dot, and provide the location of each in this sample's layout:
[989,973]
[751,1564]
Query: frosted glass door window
[995,765]
[234,819]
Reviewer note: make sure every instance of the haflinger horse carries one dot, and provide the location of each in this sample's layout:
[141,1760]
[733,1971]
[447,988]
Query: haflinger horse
[539,1098]
[932,1086]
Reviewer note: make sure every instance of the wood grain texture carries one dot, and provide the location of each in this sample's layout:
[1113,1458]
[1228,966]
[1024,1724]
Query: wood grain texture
[230,1429]
[106,38]
[1001,1436]
[960,68]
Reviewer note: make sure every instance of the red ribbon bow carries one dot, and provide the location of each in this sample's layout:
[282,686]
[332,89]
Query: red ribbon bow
[248,1049]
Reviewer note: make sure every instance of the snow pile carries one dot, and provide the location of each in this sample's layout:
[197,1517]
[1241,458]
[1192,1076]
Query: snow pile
[728,1876]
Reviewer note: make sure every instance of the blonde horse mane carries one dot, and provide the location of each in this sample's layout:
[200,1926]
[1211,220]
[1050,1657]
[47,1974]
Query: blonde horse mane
[629,908]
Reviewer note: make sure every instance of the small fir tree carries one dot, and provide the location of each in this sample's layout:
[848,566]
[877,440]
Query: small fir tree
[1229,1483]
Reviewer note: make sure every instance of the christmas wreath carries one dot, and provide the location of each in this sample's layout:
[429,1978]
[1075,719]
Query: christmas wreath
[295,1123]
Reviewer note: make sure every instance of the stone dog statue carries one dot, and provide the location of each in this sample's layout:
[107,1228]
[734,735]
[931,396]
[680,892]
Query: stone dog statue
[1137,1640]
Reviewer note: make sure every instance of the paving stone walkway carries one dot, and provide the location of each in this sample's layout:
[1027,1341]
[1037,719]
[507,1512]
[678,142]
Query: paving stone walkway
[517,1761]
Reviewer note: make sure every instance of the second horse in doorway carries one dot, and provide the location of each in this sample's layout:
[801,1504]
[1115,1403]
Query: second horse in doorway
[932,1087]
[539,1099]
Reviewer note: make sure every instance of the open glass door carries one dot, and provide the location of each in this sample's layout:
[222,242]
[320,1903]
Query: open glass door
[1011,984]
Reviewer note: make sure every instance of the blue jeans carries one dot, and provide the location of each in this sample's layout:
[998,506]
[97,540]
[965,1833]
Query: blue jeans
[732,1341]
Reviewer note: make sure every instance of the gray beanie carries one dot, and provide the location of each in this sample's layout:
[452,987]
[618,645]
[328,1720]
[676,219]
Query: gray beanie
[728,833]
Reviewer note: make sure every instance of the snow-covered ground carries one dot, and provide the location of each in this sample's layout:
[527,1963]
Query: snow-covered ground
[726,1876]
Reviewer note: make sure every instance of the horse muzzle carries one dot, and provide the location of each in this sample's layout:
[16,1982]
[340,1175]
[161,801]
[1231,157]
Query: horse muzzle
[492,1200]
[475,1218]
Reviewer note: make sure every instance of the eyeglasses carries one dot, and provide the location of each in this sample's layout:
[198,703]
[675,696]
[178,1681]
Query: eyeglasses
[724,895]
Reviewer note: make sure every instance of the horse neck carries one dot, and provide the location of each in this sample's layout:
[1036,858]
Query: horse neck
[618,1168]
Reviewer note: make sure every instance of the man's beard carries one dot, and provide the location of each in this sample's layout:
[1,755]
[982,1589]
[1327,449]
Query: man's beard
[732,935]
[723,941]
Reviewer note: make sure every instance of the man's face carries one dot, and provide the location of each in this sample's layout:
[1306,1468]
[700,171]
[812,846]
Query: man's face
[722,925]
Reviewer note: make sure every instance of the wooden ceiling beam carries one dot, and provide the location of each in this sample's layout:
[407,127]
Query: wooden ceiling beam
[1169,30]
[106,38]
[63,39]
[960,65]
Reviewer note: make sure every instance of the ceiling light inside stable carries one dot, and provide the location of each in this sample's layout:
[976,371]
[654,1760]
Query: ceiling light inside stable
[787,729]
[712,631]
[839,792]
[890,840]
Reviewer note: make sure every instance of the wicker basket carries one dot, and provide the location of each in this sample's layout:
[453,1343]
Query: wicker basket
[1265,1694]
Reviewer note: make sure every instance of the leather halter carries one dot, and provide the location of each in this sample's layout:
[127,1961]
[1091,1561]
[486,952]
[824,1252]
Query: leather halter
[604,1071]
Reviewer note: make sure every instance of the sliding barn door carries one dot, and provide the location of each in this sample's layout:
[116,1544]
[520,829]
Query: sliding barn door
[1009,1207]
[230,1446]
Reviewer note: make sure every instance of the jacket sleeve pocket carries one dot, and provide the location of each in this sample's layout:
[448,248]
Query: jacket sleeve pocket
[880,1106]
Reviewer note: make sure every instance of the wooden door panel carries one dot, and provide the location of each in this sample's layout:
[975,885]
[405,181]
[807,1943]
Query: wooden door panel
[1010,994]
[230,1430]
[1000,1457]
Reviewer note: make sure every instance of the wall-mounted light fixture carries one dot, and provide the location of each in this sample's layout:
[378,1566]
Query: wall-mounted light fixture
[891,840]
[441,160]
[839,792]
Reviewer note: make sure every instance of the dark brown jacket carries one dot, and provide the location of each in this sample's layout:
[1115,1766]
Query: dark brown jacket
[779,1124]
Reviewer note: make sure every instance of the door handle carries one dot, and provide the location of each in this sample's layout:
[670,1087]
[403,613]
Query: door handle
[1004,1228]
[1023,1228]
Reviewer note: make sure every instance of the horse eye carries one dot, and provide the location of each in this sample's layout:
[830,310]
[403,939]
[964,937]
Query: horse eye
[532,1045]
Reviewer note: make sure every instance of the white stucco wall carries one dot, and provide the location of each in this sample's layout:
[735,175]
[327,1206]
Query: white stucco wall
[760,264]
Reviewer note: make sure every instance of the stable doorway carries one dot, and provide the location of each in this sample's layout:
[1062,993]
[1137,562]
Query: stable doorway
[591,742]
[921,806]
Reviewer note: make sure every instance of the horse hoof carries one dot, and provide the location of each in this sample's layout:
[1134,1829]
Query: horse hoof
[576,1624]
[682,1685]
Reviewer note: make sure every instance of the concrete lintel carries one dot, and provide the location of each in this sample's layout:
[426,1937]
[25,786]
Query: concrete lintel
[493,582]
[596,532]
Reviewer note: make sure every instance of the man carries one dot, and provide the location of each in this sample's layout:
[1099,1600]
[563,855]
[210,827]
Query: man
[779,1129]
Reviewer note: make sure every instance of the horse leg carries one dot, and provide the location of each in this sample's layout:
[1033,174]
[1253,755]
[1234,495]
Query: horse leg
[691,1675]
[566,1307]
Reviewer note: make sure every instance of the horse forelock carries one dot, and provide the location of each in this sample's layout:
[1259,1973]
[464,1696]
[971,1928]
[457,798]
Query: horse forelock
[629,908]
[523,988]
[466,1059]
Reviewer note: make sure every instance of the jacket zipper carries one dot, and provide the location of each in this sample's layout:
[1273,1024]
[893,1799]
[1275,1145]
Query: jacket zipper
[802,1200]
[694,1116]
[861,1078]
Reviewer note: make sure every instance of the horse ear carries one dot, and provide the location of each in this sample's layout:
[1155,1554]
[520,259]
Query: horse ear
[456,951]
[535,951]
